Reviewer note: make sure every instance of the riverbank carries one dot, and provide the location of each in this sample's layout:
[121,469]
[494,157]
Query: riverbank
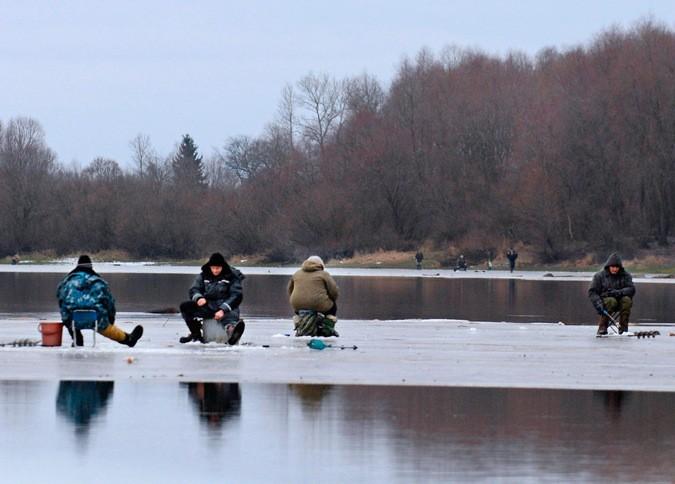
[411,352]
[64,267]
[659,261]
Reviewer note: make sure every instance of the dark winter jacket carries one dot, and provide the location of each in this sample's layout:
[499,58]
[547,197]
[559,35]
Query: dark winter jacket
[83,288]
[511,255]
[222,292]
[607,285]
[312,288]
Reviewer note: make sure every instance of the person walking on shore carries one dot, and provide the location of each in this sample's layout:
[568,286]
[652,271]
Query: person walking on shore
[419,257]
[216,293]
[612,290]
[512,255]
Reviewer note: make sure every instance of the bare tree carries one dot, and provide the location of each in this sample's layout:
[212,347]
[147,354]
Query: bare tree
[364,93]
[142,153]
[103,169]
[26,167]
[324,100]
[286,112]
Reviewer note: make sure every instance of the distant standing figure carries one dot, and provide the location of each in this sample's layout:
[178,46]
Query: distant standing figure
[216,293]
[612,289]
[15,259]
[312,293]
[512,255]
[419,257]
[461,263]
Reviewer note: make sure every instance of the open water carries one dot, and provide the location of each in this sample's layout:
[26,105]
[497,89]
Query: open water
[364,297]
[227,432]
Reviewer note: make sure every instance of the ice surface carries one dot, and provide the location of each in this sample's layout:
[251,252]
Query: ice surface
[401,352]
[153,268]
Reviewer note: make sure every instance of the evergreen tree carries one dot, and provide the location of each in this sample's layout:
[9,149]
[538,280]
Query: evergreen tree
[188,169]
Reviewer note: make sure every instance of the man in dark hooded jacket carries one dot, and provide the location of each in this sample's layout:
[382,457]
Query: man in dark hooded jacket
[216,293]
[612,290]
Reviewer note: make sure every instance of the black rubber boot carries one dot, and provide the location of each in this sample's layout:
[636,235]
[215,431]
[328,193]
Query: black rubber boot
[195,327]
[79,339]
[623,323]
[603,324]
[237,331]
[133,337]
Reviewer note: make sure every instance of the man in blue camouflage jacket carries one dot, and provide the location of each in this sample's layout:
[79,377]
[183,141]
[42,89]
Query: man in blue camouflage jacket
[83,288]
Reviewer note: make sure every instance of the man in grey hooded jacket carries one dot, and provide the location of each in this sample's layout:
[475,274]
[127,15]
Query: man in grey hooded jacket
[612,290]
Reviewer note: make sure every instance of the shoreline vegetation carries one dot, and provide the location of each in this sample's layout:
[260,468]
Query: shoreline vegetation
[660,262]
[566,155]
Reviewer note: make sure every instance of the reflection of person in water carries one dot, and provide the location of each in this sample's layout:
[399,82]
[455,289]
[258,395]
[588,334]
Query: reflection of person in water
[215,402]
[614,402]
[81,401]
[310,395]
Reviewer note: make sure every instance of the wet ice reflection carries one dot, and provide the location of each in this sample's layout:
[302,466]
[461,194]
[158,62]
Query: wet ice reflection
[206,432]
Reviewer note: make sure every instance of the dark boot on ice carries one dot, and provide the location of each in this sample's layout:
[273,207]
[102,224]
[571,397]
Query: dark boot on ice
[603,324]
[235,331]
[133,337]
[195,327]
[78,340]
[623,324]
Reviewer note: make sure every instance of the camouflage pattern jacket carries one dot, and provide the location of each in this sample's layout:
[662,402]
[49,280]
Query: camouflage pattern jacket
[85,289]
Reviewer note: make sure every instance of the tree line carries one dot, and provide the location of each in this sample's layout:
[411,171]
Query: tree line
[567,152]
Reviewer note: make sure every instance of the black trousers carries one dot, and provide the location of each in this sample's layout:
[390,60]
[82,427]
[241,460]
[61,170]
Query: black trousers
[190,310]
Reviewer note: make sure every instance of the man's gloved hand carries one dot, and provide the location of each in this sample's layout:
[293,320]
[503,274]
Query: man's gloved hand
[615,293]
[599,307]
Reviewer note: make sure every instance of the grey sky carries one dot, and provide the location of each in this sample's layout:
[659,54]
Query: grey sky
[97,73]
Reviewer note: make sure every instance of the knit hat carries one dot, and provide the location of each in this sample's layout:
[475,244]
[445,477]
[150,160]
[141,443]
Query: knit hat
[216,259]
[84,261]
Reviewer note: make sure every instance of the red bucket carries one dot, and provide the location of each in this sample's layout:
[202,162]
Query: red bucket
[52,333]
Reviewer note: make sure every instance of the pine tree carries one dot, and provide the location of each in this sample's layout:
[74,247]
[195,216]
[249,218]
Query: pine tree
[188,169]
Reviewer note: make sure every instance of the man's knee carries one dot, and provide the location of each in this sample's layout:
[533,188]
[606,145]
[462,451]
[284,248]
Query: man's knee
[611,304]
[187,306]
[626,303]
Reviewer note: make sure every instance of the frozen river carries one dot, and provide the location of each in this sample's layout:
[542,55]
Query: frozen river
[421,399]
[401,352]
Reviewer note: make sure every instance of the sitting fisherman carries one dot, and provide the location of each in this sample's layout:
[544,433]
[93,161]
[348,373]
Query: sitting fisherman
[216,293]
[612,290]
[83,288]
[313,294]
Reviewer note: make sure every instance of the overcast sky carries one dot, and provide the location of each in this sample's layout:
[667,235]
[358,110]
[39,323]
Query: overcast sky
[95,73]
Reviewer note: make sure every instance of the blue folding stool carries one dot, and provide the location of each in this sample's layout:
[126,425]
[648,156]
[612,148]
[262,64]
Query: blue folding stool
[84,319]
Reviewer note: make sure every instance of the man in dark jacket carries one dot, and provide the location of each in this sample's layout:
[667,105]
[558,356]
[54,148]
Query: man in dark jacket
[512,255]
[612,290]
[216,293]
